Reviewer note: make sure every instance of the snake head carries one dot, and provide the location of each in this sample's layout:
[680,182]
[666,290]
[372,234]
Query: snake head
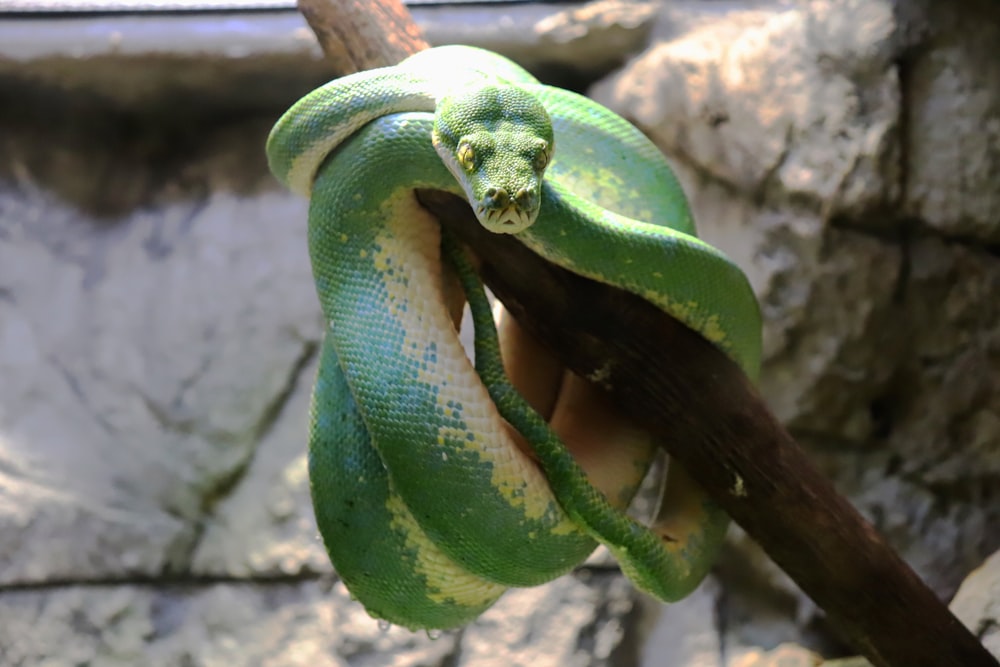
[497,141]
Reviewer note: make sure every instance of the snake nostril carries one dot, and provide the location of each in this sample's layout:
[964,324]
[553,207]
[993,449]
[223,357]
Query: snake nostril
[498,196]
[524,197]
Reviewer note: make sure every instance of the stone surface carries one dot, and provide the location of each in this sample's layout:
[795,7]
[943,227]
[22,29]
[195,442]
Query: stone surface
[791,103]
[263,526]
[122,421]
[786,655]
[977,603]
[573,44]
[953,125]
[687,632]
[289,622]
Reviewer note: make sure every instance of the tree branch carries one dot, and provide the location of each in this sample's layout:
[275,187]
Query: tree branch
[362,34]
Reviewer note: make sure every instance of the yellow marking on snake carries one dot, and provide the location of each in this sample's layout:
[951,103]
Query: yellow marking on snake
[514,476]
[446,581]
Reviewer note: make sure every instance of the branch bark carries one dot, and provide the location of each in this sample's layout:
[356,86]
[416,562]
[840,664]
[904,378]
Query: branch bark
[362,34]
[680,387]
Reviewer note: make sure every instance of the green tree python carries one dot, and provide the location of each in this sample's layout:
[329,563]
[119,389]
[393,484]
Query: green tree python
[436,485]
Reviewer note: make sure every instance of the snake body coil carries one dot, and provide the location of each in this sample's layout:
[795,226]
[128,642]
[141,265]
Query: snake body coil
[426,501]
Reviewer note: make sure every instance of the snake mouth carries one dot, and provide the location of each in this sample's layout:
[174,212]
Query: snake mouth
[509,219]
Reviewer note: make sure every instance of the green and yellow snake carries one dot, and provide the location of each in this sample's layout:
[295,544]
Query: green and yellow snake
[436,485]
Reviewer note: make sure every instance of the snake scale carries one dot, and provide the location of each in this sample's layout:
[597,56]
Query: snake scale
[436,485]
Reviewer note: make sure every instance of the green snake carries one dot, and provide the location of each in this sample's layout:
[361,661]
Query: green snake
[436,483]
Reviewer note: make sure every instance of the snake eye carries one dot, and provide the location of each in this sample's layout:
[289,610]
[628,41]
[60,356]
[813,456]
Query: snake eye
[542,157]
[466,156]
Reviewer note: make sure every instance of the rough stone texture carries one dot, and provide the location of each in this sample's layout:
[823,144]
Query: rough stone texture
[158,331]
[685,633]
[142,60]
[575,43]
[289,622]
[786,655]
[977,603]
[953,128]
[786,103]
[122,421]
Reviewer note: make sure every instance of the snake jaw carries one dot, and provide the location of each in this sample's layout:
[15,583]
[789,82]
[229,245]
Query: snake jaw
[497,211]
[501,214]
[510,219]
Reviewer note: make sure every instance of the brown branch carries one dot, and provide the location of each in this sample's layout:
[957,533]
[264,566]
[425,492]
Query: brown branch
[362,34]
[680,387]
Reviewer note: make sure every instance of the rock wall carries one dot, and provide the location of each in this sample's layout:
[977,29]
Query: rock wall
[158,332]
